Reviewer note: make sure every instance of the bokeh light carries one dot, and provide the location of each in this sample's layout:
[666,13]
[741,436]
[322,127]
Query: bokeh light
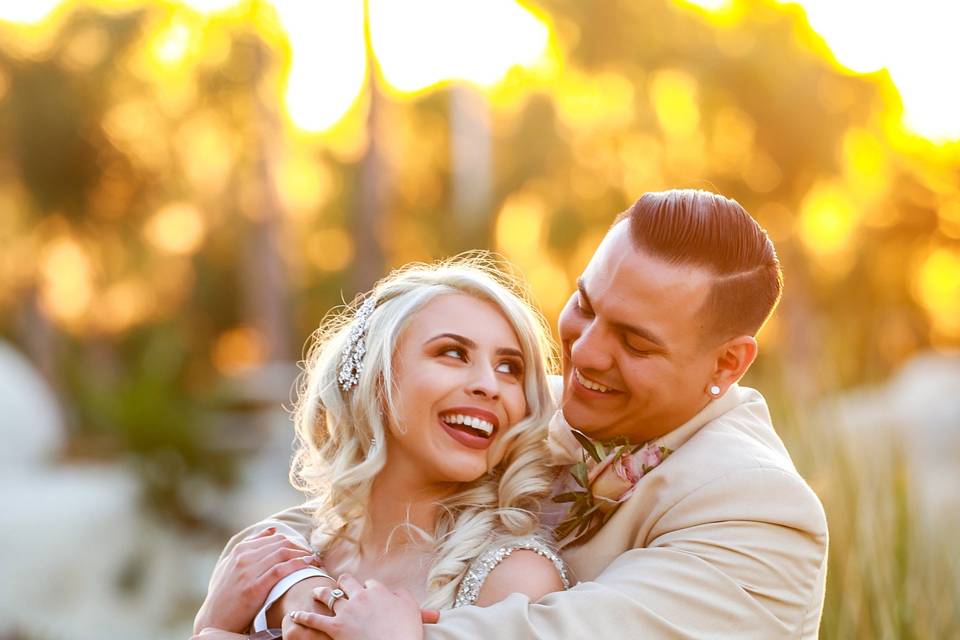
[188,186]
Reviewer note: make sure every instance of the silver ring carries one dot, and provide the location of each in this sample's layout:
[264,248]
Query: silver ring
[335,594]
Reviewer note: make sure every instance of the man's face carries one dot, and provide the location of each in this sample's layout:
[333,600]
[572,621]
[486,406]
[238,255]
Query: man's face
[634,360]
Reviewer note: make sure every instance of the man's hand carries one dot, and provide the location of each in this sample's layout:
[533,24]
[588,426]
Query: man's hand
[299,597]
[242,581]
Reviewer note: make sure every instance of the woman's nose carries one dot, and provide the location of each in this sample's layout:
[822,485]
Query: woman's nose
[483,382]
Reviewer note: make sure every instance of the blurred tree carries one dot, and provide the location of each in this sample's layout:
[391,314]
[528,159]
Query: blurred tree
[154,185]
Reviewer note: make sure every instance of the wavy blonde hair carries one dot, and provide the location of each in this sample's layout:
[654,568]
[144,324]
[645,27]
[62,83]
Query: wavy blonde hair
[341,436]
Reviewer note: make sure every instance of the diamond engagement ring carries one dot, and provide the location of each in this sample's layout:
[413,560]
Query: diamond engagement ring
[335,594]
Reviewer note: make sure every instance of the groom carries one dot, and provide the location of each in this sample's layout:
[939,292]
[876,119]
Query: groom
[723,538]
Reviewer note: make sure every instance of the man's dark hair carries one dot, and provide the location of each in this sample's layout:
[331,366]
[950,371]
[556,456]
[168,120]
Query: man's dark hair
[707,230]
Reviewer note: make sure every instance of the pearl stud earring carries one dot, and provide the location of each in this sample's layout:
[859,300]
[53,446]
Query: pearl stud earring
[714,390]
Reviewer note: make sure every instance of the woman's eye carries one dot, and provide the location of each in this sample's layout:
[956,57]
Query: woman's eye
[455,352]
[511,368]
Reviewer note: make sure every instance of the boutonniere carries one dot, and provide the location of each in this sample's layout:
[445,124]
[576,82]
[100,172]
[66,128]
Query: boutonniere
[607,474]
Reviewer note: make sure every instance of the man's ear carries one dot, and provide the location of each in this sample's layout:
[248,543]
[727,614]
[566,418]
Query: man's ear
[734,357]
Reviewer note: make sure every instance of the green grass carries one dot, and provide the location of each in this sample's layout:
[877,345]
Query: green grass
[893,573]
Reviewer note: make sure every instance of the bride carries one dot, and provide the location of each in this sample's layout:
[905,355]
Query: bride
[420,424]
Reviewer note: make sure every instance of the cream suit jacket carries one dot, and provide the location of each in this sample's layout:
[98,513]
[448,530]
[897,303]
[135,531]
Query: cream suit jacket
[723,539]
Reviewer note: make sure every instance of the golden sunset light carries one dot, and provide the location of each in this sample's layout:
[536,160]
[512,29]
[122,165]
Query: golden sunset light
[201,201]
[912,41]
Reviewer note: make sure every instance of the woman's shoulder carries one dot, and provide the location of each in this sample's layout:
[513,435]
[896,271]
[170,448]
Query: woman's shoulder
[527,565]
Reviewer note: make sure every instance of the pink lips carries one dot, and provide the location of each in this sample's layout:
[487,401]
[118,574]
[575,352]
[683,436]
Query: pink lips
[465,437]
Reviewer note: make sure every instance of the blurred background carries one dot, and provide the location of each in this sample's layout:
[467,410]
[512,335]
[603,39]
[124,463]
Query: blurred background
[187,187]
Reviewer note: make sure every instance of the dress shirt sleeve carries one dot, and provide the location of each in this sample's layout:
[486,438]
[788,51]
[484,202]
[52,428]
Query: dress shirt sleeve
[260,621]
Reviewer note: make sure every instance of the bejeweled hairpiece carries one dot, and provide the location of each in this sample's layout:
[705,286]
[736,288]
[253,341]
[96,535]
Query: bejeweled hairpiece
[351,362]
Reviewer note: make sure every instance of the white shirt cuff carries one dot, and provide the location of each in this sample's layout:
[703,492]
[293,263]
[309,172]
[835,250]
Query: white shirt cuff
[260,622]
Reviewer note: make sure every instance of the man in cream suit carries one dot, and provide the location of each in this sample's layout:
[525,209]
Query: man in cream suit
[723,539]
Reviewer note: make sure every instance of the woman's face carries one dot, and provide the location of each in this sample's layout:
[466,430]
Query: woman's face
[458,372]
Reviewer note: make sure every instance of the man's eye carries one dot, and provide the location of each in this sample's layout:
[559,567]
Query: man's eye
[583,307]
[637,351]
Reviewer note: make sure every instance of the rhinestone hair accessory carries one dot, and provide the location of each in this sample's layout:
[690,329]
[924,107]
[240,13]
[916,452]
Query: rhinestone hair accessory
[351,362]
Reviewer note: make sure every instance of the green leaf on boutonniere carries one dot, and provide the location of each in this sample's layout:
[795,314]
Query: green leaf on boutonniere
[601,450]
[586,519]
[587,445]
[565,528]
[619,441]
[580,473]
[570,496]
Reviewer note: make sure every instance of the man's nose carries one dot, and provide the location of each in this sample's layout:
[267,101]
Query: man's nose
[590,351]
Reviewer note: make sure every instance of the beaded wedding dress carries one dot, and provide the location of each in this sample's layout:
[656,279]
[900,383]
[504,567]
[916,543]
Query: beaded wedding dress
[487,561]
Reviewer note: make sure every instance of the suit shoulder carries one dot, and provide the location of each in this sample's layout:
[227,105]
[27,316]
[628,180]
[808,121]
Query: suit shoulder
[750,494]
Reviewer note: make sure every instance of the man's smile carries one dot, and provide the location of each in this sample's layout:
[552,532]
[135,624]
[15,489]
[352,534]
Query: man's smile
[592,385]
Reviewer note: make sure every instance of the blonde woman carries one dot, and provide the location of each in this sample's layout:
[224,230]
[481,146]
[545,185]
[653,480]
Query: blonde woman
[420,425]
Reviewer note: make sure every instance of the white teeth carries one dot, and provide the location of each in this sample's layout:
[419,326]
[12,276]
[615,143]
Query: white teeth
[590,384]
[470,421]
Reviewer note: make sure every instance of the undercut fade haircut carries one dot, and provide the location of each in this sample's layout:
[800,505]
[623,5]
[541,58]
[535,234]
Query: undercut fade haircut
[707,230]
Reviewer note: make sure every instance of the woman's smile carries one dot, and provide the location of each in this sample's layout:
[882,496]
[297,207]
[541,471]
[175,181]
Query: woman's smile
[470,426]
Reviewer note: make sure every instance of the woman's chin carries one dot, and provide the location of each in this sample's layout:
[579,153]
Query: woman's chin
[461,469]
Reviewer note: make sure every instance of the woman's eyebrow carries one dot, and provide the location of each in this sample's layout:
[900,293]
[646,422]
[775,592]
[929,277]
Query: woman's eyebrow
[465,341]
[470,344]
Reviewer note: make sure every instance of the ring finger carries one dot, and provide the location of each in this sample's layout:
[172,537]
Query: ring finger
[329,596]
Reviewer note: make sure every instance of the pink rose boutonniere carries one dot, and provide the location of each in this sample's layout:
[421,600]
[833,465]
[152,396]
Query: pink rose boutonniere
[607,474]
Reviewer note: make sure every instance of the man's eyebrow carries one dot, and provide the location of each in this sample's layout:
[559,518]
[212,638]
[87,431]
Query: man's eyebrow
[470,344]
[640,332]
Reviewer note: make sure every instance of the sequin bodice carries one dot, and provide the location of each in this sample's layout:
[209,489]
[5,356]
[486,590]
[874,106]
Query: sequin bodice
[488,560]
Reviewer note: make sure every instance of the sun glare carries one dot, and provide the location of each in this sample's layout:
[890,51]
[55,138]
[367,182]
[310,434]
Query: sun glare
[420,43]
[26,11]
[710,5]
[210,6]
[328,60]
[914,41]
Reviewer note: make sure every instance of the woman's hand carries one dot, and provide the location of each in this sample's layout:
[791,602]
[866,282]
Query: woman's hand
[241,582]
[368,612]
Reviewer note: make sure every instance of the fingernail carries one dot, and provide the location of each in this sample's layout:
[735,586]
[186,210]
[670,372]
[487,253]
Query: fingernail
[271,529]
[296,614]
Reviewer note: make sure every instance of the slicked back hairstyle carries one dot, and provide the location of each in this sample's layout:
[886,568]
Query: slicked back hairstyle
[707,230]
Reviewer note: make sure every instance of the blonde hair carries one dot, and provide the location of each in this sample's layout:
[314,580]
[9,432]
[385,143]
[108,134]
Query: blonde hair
[341,436]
